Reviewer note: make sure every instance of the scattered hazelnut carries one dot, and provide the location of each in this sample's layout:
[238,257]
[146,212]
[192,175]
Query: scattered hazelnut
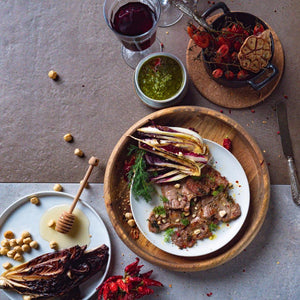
[68,137]
[177,185]
[3,251]
[7,265]
[28,240]
[18,257]
[19,241]
[52,74]
[25,234]
[11,253]
[18,249]
[5,243]
[13,242]
[26,297]
[57,187]
[26,248]
[128,215]
[131,223]
[53,245]
[33,244]
[35,200]
[78,152]
[51,223]
[9,234]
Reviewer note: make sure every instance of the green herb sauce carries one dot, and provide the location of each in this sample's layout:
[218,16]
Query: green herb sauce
[160,78]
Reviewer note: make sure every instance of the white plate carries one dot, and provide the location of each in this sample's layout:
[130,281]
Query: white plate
[22,215]
[226,163]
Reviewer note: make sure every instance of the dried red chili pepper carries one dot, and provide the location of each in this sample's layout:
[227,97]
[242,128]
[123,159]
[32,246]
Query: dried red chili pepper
[227,144]
[133,285]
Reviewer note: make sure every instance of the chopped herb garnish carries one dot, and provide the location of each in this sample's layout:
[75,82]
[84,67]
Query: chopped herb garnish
[164,199]
[138,177]
[213,227]
[168,233]
[159,210]
[218,190]
[185,222]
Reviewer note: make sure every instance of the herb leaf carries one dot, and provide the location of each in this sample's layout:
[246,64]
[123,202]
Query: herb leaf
[168,233]
[138,176]
[213,227]
[159,210]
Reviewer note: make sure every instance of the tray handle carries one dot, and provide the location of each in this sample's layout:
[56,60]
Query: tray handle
[260,85]
[219,5]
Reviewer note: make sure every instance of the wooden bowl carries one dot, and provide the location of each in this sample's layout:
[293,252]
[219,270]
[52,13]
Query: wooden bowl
[214,126]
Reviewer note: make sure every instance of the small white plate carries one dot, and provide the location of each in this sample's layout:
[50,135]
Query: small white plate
[23,215]
[224,162]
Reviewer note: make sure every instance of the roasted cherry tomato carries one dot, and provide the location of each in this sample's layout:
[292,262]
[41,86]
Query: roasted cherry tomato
[191,30]
[258,29]
[237,45]
[223,50]
[229,75]
[201,39]
[241,75]
[236,28]
[217,73]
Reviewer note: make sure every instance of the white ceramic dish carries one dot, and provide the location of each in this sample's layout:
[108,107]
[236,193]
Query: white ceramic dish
[161,103]
[22,215]
[228,166]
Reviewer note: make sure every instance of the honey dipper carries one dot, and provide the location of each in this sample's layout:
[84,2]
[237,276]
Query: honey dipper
[66,220]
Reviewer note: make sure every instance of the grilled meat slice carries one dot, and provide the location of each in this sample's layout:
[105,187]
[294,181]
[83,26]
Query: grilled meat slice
[209,181]
[55,274]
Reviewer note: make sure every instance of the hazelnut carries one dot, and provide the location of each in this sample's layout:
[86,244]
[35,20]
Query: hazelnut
[26,248]
[33,244]
[9,234]
[131,223]
[51,223]
[26,297]
[35,200]
[53,245]
[52,74]
[18,249]
[5,243]
[7,265]
[78,152]
[11,253]
[25,234]
[19,241]
[28,240]
[13,242]
[57,187]
[4,250]
[18,257]
[68,137]
[128,215]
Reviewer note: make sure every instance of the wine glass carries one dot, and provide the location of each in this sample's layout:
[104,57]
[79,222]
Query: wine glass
[169,14]
[134,22]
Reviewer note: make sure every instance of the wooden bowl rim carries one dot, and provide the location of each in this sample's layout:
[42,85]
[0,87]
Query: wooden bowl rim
[190,263]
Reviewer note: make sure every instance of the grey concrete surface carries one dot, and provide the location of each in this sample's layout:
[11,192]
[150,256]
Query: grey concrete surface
[267,269]
[94,98]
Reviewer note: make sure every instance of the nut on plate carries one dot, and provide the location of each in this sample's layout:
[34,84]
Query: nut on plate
[9,234]
[7,265]
[53,244]
[131,223]
[35,200]
[52,74]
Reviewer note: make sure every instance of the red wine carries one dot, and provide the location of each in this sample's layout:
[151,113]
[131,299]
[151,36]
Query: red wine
[132,19]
